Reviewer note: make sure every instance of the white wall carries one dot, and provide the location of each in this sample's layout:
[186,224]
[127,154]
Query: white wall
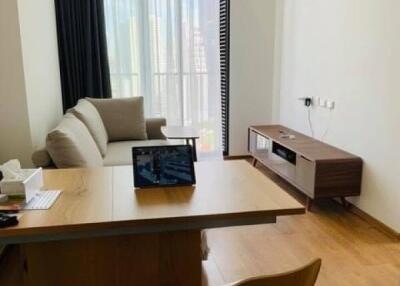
[30,92]
[14,121]
[349,51]
[252,68]
[41,67]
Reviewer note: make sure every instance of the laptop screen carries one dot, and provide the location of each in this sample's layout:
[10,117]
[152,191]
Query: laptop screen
[163,166]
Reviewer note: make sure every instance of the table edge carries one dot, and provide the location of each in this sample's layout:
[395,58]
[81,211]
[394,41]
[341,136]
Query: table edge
[73,231]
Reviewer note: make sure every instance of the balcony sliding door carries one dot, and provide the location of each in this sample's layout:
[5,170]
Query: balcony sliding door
[168,52]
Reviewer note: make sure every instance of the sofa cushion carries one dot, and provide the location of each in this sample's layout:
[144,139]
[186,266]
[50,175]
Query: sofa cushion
[71,145]
[88,114]
[122,117]
[120,153]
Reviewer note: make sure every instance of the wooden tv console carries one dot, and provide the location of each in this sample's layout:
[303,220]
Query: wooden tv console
[315,168]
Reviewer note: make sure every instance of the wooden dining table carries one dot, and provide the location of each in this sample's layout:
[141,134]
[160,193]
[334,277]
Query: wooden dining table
[103,231]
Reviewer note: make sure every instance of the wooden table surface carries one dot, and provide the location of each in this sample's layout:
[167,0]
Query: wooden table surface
[101,201]
[180,132]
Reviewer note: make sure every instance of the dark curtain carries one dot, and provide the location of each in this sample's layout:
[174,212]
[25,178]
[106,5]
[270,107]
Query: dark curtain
[82,50]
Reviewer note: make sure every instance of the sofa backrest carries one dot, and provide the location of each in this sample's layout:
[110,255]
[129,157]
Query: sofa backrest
[86,112]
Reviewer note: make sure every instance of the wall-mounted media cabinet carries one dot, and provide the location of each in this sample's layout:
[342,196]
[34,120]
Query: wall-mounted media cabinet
[315,168]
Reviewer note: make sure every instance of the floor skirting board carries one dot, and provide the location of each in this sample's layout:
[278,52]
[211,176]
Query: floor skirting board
[351,207]
[373,221]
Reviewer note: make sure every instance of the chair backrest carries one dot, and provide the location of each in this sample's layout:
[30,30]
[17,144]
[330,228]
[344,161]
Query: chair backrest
[304,276]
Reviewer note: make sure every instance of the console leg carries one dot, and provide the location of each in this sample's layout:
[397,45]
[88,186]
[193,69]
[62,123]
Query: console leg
[254,162]
[344,202]
[309,204]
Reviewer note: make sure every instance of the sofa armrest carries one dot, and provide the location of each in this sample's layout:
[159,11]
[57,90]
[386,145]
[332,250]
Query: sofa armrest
[153,127]
[41,158]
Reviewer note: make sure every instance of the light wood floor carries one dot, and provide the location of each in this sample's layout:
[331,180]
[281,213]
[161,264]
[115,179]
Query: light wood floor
[352,251]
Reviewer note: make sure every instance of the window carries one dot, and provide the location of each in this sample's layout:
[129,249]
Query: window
[168,51]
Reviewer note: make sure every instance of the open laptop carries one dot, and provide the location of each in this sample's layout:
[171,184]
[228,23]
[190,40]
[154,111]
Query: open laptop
[163,166]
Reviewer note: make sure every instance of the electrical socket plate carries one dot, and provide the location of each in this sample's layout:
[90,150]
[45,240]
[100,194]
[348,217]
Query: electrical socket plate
[315,100]
[322,102]
[330,104]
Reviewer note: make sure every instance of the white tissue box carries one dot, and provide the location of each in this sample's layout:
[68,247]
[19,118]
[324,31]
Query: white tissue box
[27,187]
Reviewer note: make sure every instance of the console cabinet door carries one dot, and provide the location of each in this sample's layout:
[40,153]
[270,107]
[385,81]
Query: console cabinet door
[305,175]
[259,146]
[252,142]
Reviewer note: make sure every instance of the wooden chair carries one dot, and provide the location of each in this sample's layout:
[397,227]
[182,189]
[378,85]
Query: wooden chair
[304,276]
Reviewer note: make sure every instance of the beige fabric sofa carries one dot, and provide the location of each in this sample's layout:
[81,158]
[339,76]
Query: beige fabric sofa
[100,132]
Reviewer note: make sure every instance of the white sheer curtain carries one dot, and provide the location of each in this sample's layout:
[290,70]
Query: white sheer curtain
[168,52]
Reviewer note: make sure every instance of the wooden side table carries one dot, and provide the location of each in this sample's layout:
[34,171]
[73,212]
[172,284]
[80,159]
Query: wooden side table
[183,132]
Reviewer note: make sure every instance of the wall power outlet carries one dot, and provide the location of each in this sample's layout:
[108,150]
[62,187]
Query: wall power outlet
[321,102]
[324,103]
[330,104]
